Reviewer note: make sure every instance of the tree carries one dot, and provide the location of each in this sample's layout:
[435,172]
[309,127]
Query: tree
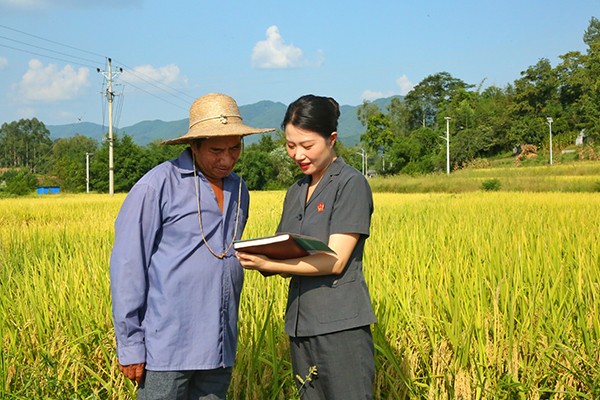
[130,164]
[365,111]
[398,116]
[156,153]
[286,170]
[590,103]
[69,161]
[379,136]
[19,182]
[24,143]
[591,37]
[256,169]
[428,95]
[535,98]
[255,165]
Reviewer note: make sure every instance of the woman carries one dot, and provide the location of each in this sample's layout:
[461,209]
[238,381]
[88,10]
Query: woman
[329,310]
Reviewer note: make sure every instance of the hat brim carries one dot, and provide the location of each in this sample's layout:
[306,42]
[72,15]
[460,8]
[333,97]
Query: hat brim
[202,132]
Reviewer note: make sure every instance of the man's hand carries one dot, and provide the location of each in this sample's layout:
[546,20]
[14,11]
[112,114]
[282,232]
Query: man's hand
[133,371]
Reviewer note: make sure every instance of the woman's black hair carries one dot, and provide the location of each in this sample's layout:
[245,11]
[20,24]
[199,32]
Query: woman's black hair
[314,113]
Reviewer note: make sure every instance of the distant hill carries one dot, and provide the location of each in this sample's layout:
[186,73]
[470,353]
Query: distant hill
[264,114]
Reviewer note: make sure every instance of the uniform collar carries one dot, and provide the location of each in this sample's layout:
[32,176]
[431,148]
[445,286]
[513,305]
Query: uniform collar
[335,168]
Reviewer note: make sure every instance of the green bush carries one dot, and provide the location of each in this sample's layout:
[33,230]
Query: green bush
[491,185]
[18,183]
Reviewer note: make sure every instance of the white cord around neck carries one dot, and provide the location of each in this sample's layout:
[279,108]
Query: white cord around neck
[237,216]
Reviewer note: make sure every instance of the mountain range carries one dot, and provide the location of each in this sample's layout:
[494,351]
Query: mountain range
[264,114]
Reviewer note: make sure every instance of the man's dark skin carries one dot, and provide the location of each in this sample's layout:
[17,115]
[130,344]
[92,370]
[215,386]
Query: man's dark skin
[133,371]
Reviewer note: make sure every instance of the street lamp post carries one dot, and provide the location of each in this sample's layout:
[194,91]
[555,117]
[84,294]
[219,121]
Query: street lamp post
[447,145]
[549,119]
[87,172]
[363,165]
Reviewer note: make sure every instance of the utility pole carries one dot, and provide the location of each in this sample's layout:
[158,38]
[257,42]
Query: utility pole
[109,75]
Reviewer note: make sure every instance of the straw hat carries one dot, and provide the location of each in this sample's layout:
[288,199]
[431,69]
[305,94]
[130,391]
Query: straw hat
[215,115]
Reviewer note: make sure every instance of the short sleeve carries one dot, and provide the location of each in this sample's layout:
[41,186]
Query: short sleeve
[353,207]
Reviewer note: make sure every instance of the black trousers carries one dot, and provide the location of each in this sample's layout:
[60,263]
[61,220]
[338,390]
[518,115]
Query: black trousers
[337,365]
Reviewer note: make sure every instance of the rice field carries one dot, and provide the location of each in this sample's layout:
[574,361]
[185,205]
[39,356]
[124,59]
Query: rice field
[479,295]
[580,176]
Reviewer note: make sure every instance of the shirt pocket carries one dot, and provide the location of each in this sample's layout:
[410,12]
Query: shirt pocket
[337,301]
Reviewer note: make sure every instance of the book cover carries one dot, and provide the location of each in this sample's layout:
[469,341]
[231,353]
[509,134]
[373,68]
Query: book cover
[282,246]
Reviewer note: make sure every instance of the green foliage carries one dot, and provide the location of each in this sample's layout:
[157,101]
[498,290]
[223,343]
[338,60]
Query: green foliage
[25,143]
[266,166]
[491,185]
[592,33]
[429,95]
[69,157]
[365,111]
[18,182]
[131,162]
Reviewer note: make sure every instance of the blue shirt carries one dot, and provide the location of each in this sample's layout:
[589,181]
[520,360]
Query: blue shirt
[175,305]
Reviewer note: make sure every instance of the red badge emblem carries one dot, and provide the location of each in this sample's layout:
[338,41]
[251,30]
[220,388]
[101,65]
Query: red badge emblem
[320,207]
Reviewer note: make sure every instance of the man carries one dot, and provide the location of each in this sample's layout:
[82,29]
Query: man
[175,280]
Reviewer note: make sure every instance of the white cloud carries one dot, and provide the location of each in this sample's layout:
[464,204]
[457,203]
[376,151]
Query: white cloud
[3,63]
[275,53]
[371,95]
[405,85]
[49,84]
[158,77]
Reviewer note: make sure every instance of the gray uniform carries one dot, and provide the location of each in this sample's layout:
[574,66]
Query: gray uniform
[323,305]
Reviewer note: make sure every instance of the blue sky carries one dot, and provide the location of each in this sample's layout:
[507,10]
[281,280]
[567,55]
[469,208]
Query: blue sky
[172,52]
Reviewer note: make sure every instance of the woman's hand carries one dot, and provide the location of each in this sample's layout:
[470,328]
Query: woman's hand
[315,264]
[252,261]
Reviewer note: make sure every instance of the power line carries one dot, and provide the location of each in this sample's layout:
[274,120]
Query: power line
[51,41]
[141,76]
[153,95]
[47,56]
[184,98]
[46,49]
